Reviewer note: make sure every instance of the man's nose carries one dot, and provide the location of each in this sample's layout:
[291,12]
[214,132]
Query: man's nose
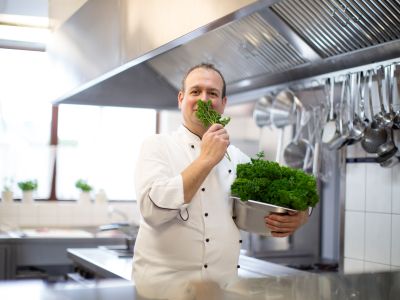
[203,95]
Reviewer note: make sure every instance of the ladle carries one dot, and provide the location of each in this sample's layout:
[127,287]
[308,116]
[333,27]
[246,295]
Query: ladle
[396,120]
[330,129]
[382,117]
[356,123]
[374,134]
[316,165]
[347,111]
[386,150]
[391,162]
[340,134]
[296,151]
[359,124]
[363,86]
[390,116]
[308,159]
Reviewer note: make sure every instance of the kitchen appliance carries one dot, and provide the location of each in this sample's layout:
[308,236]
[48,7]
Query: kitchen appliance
[138,56]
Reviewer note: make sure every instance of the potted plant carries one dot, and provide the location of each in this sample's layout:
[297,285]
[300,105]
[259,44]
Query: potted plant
[85,190]
[7,194]
[27,188]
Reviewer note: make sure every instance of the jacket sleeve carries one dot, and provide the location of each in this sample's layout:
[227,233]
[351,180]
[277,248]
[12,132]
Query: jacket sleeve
[159,192]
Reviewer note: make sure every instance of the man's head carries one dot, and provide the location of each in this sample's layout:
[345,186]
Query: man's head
[203,82]
[204,66]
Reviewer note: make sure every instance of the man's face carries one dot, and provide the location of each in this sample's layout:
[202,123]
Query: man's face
[204,84]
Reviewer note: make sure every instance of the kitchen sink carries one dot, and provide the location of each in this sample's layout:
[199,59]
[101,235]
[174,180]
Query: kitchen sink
[55,233]
[119,250]
[130,233]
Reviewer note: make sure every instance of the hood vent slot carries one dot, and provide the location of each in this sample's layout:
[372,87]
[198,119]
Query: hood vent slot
[248,48]
[335,27]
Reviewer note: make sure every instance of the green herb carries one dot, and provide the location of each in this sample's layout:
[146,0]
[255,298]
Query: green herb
[208,116]
[83,186]
[29,185]
[269,182]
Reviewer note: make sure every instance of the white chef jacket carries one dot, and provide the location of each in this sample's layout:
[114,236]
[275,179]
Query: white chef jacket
[180,242]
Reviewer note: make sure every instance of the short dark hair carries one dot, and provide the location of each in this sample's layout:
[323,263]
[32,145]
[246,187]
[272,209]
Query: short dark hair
[205,66]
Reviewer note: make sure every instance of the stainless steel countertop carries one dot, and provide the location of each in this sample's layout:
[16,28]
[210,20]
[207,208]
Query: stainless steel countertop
[259,279]
[108,265]
[385,285]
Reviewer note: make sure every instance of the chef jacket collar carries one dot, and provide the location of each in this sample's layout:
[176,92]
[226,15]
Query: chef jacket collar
[189,135]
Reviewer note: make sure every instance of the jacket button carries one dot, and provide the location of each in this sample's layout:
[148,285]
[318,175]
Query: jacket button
[207,240]
[192,146]
[238,266]
[203,189]
[205,266]
[230,171]
[206,214]
[240,241]
[234,217]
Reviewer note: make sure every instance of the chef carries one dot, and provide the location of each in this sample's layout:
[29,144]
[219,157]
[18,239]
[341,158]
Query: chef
[183,181]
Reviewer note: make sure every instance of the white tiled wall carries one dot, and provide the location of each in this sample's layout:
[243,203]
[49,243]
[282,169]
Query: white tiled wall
[64,214]
[372,217]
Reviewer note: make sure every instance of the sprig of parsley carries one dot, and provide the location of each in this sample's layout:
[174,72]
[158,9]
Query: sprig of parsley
[208,116]
[269,182]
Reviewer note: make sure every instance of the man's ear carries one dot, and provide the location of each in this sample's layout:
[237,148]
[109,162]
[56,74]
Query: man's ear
[180,99]
[224,101]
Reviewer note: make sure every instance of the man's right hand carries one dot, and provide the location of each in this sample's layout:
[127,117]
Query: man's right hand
[213,147]
[214,143]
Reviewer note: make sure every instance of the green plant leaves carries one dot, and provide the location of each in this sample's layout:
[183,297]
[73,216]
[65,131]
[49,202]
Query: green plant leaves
[83,185]
[29,185]
[269,182]
[208,116]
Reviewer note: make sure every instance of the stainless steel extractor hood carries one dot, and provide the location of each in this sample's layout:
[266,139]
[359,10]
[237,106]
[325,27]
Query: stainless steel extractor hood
[120,52]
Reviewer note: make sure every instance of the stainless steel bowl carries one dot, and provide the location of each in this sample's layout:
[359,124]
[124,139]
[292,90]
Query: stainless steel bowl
[249,215]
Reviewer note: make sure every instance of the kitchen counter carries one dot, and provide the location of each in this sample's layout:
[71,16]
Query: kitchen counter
[385,285]
[106,264]
[258,279]
[22,250]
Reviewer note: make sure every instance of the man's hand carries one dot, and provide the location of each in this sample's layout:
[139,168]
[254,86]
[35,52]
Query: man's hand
[284,225]
[213,147]
[214,143]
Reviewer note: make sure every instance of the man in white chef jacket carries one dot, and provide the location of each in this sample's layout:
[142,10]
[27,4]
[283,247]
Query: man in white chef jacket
[183,181]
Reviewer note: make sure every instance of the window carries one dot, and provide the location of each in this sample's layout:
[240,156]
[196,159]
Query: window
[100,145]
[25,116]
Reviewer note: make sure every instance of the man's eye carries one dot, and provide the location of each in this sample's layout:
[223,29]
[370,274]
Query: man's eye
[194,92]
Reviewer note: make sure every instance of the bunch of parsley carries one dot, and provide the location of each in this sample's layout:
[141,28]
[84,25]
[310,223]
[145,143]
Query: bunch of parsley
[208,116]
[269,182]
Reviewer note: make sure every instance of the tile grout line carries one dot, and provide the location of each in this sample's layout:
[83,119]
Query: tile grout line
[391,216]
[365,214]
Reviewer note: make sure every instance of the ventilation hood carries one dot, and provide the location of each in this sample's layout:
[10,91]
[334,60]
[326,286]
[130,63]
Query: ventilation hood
[124,53]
